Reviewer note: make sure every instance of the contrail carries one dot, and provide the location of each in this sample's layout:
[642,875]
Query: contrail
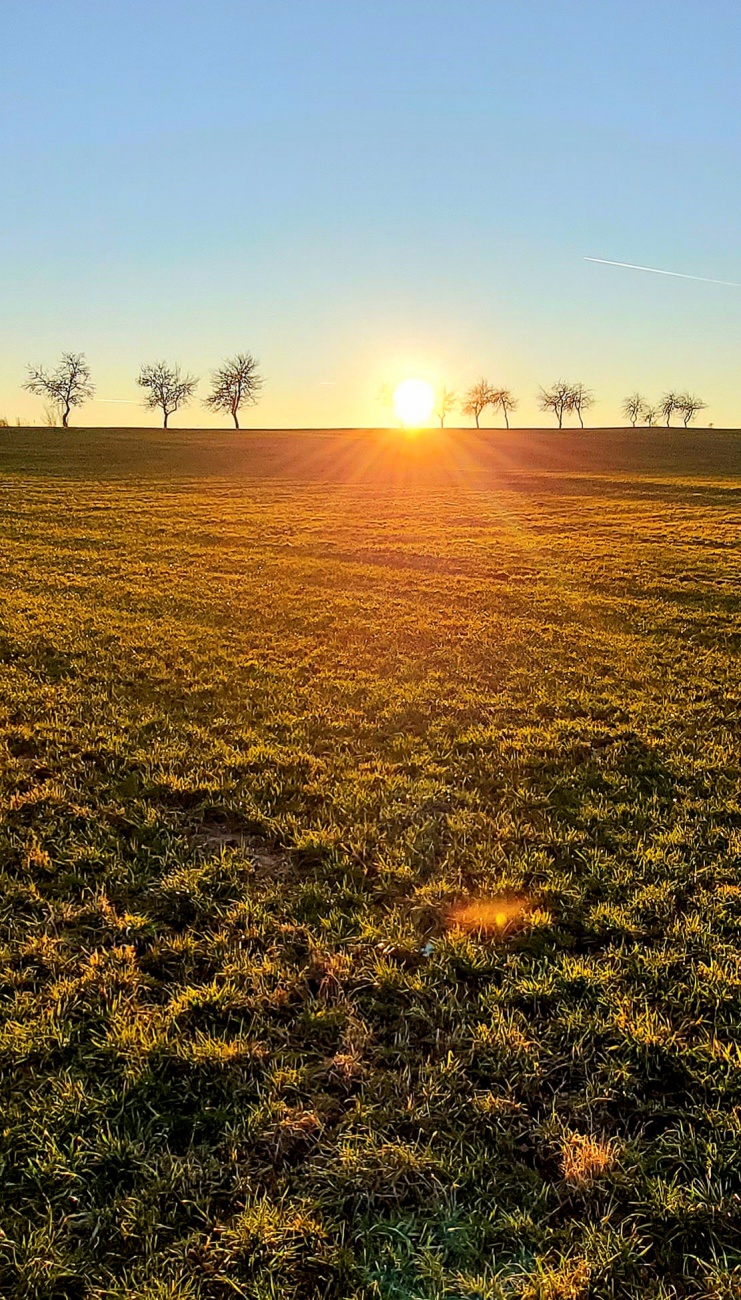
[655,270]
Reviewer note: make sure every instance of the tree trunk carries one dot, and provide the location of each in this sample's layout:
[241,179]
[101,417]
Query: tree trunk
[65,418]
[560,419]
[477,419]
[235,419]
[506,418]
[164,422]
[581,422]
[442,421]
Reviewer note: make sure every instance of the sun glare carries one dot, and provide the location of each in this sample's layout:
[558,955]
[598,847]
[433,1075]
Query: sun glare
[496,916]
[413,402]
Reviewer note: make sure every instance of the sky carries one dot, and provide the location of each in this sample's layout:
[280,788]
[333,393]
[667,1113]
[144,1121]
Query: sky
[362,190]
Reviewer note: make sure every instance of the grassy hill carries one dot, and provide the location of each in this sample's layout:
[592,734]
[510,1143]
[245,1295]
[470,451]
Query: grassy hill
[383,457]
[369,865]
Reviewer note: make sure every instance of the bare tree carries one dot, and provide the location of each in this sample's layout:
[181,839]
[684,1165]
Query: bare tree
[235,384]
[68,386]
[165,388]
[634,407]
[558,398]
[668,405]
[445,403]
[385,397]
[581,400]
[650,414]
[506,402]
[478,397]
[688,406]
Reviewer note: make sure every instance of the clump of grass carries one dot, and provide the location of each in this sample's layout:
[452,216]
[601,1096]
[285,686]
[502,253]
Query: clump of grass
[569,1280]
[585,1158]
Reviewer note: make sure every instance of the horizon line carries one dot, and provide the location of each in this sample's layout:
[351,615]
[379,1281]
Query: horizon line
[370,428]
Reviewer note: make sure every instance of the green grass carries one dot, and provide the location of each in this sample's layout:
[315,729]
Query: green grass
[257,736]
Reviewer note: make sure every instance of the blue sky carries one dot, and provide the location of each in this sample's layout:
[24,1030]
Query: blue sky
[358,190]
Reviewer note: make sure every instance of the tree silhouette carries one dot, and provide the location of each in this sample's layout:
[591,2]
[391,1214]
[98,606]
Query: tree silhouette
[444,405]
[235,384]
[633,408]
[68,386]
[165,388]
[504,400]
[688,406]
[558,399]
[478,397]
[668,405]
[650,414]
[581,400]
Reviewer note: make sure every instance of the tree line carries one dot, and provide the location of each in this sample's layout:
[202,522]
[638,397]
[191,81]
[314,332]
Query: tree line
[563,399]
[235,384]
[636,409]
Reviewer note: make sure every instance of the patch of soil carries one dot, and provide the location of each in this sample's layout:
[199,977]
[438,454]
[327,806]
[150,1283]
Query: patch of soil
[212,837]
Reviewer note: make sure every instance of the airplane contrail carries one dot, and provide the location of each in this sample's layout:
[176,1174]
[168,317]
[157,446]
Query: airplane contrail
[655,270]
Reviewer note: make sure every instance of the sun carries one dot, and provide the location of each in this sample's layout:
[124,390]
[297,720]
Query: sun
[414,400]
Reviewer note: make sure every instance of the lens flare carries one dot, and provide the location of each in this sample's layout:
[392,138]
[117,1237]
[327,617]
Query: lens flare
[414,400]
[494,916]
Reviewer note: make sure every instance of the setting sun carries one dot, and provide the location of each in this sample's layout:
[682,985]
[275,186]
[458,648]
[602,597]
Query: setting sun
[414,400]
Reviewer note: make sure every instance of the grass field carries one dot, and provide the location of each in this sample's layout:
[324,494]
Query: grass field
[369,866]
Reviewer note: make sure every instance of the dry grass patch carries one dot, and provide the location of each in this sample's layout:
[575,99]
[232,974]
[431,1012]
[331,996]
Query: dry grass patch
[585,1158]
[569,1280]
